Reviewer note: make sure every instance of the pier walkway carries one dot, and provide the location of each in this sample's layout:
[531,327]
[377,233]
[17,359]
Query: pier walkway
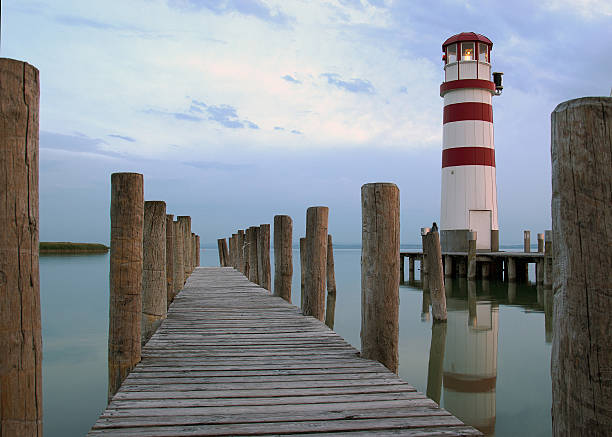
[231,359]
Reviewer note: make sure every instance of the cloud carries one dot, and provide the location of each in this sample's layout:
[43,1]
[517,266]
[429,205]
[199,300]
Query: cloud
[71,20]
[278,128]
[291,79]
[252,8]
[360,86]
[215,165]
[123,137]
[297,132]
[77,142]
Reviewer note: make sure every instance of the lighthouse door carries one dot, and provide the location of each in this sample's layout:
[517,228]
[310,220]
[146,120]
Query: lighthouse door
[480,222]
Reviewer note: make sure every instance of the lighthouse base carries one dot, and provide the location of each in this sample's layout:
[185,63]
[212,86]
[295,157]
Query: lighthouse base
[455,240]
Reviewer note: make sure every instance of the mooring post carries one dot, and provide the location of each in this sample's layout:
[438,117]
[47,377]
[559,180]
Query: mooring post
[232,248]
[330,309]
[581,157]
[495,240]
[283,256]
[252,253]
[179,253]
[316,262]
[220,250]
[425,305]
[435,274]
[169,258]
[193,256]
[411,269]
[526,241]
[541,243]
[246,256]
[448,266]
[380,245]
[424,232]
[240,250]
[126,268]
[154,282]
[197,260]
[302,270]
[185,223]
[540,262]
[20,332]
[511,269]
[263,256]
[471,258]
[548,258]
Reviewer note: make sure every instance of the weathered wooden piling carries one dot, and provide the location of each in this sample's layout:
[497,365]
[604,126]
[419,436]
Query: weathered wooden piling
[283,262]
[548,258]
[252,235]
[193,251]
[263,256]
[232,250]
[448,266]
[511,269]
[316,262]
[527,241]
[541,243]
[424,232]
[240,251]
[581,156]
[411,269]
[380,244]
[169,258]
[185,223]
[179,253]
[20,319]
[330,309]
[154,282]
[471,260]
[126,265]
[540,264]
[302,269]
[220,243]
[197,259]
[436,275]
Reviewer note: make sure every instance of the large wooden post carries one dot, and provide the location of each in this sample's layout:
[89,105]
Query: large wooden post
[185,222]
[380,243]
[126,263]
[283,262]
[197,258]
[20,325]
[220,243]
[252,234]
[179,253]
[330,309]
[154,282]
[511,269]
[527,241]
[581,156]
[193,251]
[540,262]
[316,262]
[436,275]
[471,258]
[240,251]
[232,250]
[263,256]
[169,258]
[302,270]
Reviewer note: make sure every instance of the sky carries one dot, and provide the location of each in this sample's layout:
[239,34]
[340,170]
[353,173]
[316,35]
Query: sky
[237,110]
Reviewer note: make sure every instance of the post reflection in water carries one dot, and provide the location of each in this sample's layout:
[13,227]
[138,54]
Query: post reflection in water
[436,360]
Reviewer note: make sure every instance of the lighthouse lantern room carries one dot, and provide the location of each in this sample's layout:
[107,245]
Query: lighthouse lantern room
[469,192]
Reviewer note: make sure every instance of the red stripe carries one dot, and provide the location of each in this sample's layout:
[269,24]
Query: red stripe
[468,156]
[466,83]
[468,111]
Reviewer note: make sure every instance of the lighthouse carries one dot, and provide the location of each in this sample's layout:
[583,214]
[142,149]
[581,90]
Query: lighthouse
[469,191]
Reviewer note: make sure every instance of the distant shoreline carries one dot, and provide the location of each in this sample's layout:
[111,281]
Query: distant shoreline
[59,247]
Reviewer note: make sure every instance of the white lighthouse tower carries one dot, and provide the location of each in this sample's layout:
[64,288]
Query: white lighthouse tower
[469,191]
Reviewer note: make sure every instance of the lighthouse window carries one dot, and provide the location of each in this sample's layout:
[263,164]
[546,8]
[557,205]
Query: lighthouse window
[467,51]
[483,53]
[451,53]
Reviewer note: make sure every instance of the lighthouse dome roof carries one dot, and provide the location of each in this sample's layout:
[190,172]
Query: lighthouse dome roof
[467,36]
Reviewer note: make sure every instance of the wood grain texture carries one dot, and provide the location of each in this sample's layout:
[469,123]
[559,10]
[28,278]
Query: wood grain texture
[197,258]
[436,275]
[233,360]
[283,256]
[20,320]
[252,233]
[154,283]
[169,258]
[302,269]
[263,256]
[185,222]
[316,262]
[330,308]
[581,153]
[380,273]
[179,253]
[126,266]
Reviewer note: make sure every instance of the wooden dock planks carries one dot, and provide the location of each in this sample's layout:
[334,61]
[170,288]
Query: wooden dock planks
[231,359]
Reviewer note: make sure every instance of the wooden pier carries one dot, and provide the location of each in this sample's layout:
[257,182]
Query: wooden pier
[231,359]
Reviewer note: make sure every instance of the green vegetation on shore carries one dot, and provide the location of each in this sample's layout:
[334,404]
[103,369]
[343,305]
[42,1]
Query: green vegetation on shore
[69,247]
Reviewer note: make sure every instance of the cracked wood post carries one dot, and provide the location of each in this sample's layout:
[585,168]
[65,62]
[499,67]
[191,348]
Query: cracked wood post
[283,262]
[302,270]
[179,266]
[330,309]
[20,319]
[222,260]
[252,234]
[240,251]
[424,277]
[581,156]
[169,258]
[526,249]
[154,283]
[316,262]
[263,256]
[436,275]
[471,256]
[197,255]
[126,267]
[380,273]
[232,250]
[185,223]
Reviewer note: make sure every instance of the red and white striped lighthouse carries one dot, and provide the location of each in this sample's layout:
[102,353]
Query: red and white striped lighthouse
[469,192]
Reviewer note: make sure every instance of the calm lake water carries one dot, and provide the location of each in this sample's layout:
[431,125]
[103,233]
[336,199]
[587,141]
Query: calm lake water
[490,366]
